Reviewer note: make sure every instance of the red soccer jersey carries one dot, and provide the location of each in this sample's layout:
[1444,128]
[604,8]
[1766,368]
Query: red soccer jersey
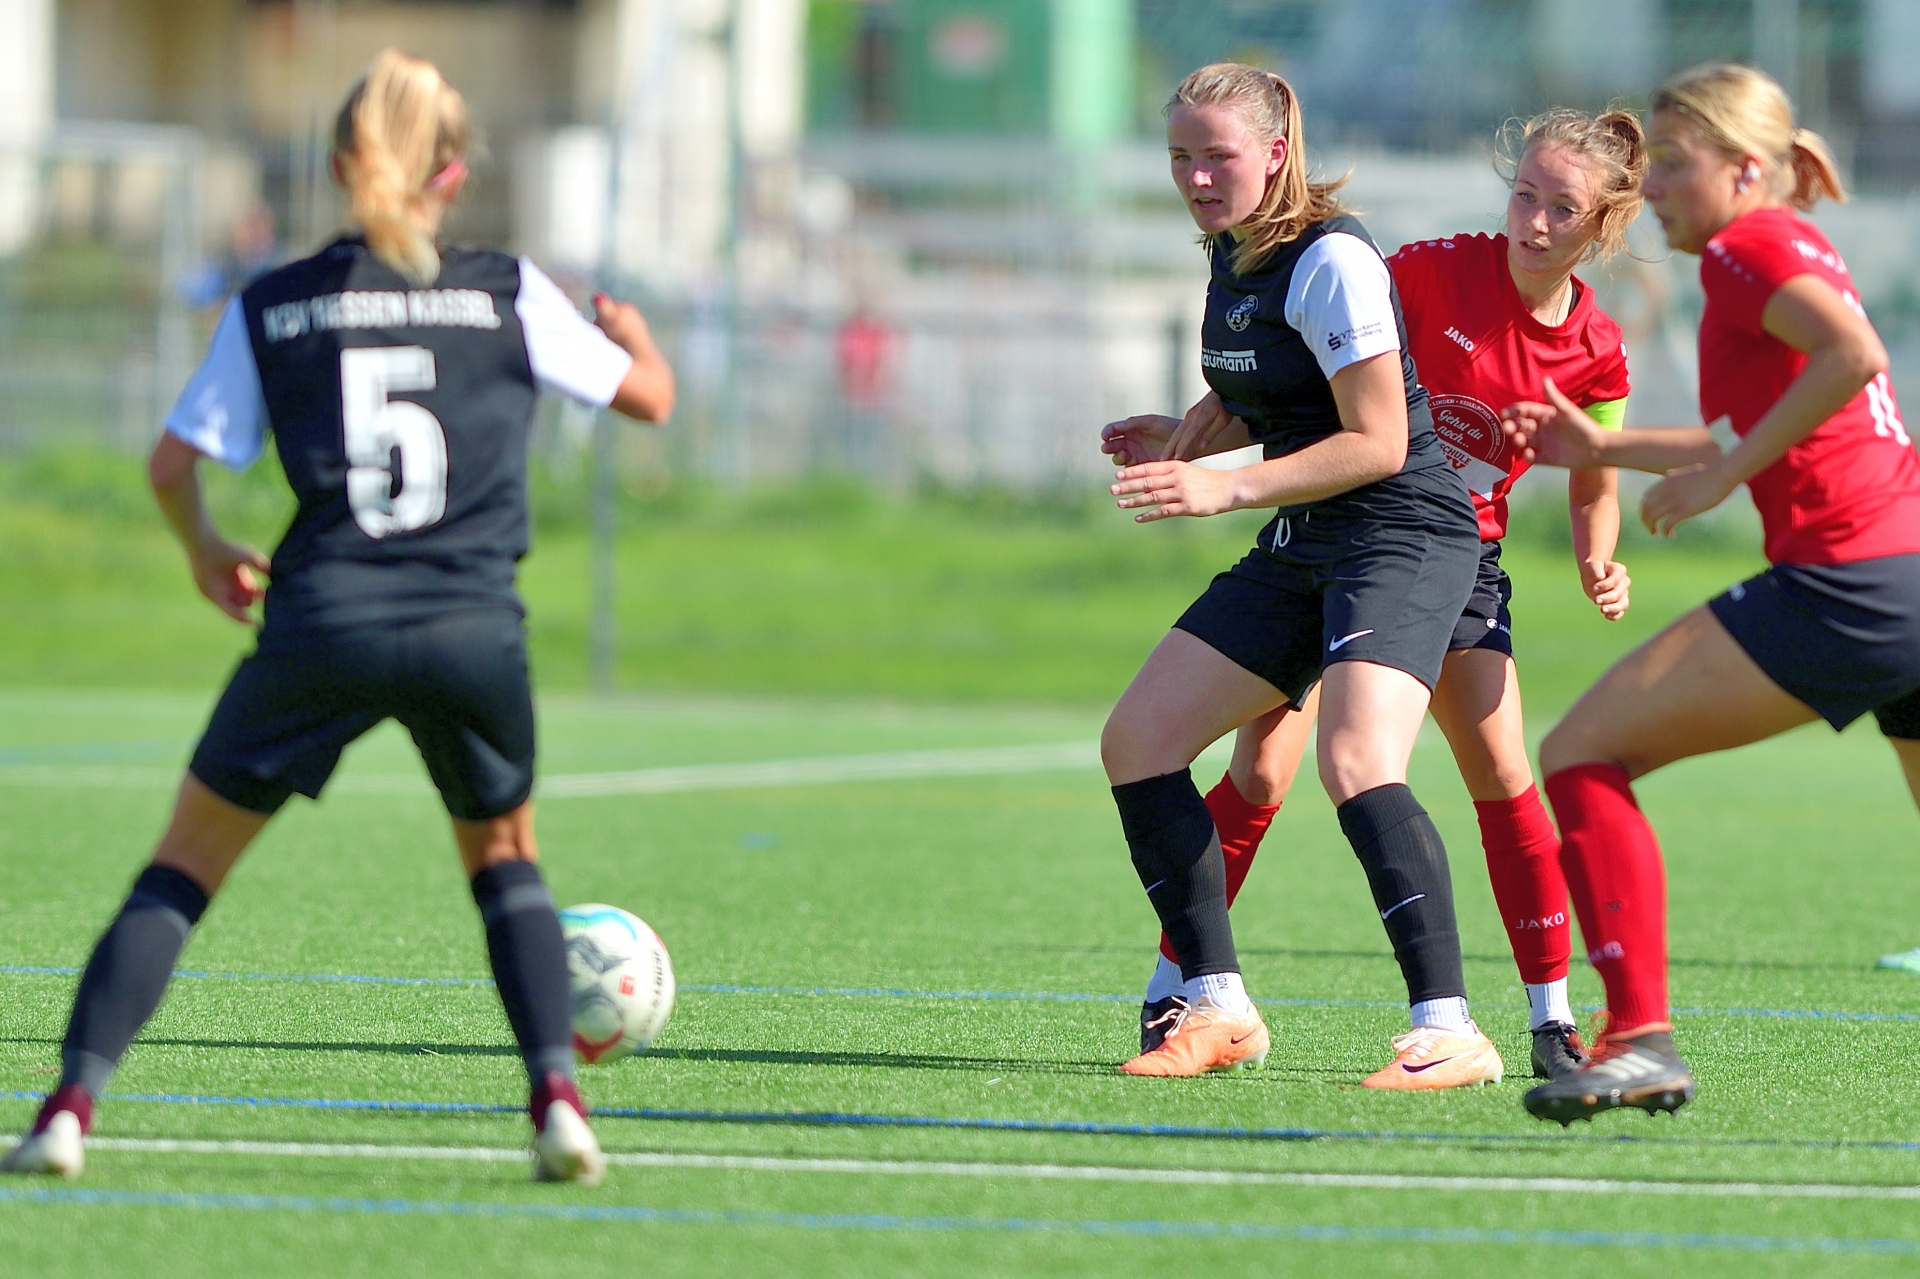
[1479,349]
[1848,491]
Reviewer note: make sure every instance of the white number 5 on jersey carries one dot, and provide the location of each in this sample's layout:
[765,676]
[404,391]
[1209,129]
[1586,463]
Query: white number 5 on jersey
[378,428]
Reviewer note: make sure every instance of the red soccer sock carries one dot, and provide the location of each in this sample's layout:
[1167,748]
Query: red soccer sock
[1523,861]
[1242,826]
[1619,888]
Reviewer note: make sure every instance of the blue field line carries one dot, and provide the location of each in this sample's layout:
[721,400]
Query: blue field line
[890,1223]
[1057,1127]
[891,992]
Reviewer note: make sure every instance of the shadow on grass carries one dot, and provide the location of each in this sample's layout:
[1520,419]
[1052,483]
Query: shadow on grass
[894,1061]
[400,1050]
[1294,952]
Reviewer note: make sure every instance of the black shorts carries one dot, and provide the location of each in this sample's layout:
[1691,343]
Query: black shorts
[1843,638]
[1486,621]
[1340,591]
[458,682]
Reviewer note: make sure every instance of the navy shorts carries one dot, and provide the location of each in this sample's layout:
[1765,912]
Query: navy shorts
[1486,621]
[458,682]
[1843,638]
[1338,590]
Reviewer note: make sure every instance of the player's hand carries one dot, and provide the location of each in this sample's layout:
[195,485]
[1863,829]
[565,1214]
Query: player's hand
[1141,438]
[1685,493]
[1557,433]
[1606,583]
[1173,488]
[1204,423]
[229,574]
[622,322]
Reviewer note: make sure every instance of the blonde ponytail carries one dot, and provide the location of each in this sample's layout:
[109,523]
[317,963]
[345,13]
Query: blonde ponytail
[1815,175]
[1744,112]
[1269,108]
[400,126]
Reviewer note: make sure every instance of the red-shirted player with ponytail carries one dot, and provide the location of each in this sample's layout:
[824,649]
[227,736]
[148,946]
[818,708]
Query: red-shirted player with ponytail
[1831,631]
[1489,319]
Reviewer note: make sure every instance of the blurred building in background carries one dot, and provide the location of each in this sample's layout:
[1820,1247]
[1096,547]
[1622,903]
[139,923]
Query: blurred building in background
[908,239]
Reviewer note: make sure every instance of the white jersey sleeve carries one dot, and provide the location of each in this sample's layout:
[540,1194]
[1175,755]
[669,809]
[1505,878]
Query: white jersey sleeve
[1341,301]
[569,355]
[223,412]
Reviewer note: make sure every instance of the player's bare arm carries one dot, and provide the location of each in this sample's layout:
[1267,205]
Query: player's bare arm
[646,394]
[1370,446]
[1593,505]
[1559,433]
[227,573]
[1843,355]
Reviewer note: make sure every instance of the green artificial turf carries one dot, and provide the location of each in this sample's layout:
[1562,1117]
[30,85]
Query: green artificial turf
[876,948]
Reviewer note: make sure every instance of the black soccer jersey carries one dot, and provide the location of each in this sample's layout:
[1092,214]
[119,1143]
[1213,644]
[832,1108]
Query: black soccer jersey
[1274,337]
[400,415]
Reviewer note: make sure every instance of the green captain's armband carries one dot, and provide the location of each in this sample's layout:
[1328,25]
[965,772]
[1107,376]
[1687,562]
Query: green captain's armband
[1610,414]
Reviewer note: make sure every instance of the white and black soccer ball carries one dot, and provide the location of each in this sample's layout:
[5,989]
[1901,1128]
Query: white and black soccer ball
[622,981]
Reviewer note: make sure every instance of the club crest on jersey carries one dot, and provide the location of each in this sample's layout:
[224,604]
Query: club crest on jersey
[1241,315]
[1471,437]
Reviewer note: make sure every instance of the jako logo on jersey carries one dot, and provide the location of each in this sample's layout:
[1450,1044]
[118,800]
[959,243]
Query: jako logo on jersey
[1337,340]
[1465,341]
[1825,257]
[1242,314]
[421,308]
[1228,361]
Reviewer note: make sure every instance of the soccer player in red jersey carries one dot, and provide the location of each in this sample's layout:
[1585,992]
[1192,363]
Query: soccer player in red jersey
[1489,319]
[1790,362]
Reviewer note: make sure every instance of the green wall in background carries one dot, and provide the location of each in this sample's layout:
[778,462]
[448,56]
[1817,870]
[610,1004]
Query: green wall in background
[1063,68]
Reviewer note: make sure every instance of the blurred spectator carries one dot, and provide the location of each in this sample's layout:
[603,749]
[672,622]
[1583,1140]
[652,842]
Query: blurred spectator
[253,250]
[864,349]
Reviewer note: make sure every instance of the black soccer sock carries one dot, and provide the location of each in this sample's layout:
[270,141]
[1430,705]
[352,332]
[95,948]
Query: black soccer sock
[1406,867]
[1176,851]
[127,975]
[529,957]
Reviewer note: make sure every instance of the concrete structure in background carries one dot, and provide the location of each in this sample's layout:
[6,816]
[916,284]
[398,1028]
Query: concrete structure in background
[26,111]
[974,188]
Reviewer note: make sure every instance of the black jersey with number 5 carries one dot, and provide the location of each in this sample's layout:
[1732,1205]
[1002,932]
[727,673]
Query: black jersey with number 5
[400,415]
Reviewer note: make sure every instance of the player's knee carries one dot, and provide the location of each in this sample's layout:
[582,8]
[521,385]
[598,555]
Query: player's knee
[1264,782]
[1571,743]
[1351,765]
[1128,751]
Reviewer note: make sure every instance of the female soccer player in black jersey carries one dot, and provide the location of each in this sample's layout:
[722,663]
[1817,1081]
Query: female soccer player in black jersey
[1356,583]
[397,381]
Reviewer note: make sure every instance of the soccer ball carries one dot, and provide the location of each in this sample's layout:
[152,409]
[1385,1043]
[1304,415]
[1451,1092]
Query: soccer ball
[622,981]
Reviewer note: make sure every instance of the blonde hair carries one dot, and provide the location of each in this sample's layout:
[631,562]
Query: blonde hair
[1267,105]
[401,125]
[1744,112]
[1612,144]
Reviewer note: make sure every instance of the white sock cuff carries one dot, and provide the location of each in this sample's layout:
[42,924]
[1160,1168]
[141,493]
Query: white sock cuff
[1166,981]
[1225,990]
[1442,1014]
[1547,1003]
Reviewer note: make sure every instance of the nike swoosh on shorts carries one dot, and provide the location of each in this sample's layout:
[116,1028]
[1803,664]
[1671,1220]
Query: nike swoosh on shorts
[1344,640]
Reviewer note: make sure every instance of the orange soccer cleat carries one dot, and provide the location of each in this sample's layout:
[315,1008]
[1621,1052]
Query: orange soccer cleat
[1429,1057]
[1205,1037]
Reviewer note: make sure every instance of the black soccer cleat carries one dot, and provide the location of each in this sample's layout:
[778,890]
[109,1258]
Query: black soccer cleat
[1157,1017]
[1557,1050]
[1645,1072]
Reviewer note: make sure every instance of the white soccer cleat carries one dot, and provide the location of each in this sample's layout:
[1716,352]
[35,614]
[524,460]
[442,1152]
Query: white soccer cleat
[565,1149]
[57,1149]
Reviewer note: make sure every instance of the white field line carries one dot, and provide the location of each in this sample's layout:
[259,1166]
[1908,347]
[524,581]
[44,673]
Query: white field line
[1030,1172]
[818,771]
